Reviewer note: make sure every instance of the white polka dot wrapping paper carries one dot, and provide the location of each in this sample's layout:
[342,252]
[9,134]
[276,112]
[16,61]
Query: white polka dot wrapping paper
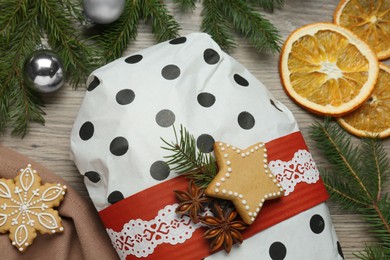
[134,101]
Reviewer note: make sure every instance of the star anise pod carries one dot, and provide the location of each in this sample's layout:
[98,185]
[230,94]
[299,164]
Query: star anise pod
[224,229]
[191,201]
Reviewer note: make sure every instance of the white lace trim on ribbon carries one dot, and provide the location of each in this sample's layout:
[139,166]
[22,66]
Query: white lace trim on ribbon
[140,238]
[301,168]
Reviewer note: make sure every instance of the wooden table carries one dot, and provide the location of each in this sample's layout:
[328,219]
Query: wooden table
[49,144]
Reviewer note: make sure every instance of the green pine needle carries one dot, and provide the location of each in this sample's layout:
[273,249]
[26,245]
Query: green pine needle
[356,177]
[373,253]
[252,25]
[115,37]
[164,26]
[28,101]
[185,159]
[214,23]
[268,5]
[76,56]
[186,5]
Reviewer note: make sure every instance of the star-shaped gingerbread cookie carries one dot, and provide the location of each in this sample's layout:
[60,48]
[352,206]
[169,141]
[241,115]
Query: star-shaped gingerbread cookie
[26,206]
[244,178]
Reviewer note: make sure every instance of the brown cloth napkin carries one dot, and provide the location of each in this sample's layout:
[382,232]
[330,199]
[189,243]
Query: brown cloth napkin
[84,236]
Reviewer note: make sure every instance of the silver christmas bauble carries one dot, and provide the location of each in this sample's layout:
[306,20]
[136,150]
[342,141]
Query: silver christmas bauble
[44,71]
[104,11]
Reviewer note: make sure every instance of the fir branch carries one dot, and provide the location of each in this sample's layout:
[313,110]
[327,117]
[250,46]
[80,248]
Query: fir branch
[76,56]
[13,11]
[373,253]
[28,106]
[214,23]
[260,32]
[115,37]
[186,5]
[18,104]
[164,26]
[74,8]
[21,32]
[355,178]
[377,163]
[268,5]
[186,160]
[4,108]
[344,158]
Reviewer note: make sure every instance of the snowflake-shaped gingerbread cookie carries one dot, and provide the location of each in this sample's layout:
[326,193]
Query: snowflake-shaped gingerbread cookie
[26,206]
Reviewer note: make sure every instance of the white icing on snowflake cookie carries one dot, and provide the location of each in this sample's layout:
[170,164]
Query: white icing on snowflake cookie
[26,206]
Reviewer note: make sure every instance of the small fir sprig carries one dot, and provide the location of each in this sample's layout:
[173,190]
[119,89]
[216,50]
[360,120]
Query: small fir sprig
[355,178]
[187,160]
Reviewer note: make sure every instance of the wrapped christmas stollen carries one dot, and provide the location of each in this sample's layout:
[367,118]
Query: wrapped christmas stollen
[83,235]
[134,101]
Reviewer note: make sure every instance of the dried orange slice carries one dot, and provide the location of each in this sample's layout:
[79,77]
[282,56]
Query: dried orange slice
[373,117]
[327,69]
[368,19]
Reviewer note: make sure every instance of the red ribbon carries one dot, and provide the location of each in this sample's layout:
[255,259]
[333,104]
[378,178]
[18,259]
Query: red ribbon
[146,204]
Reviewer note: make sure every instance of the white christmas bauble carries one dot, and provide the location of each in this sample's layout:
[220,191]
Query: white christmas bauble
[104,11]
[44,71]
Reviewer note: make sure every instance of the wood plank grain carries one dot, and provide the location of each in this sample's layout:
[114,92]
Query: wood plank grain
[49,144]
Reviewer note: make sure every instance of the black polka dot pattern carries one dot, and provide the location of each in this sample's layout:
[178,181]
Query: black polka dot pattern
[240,80]
[277,251]
[86,131]
[179,40]
[211,56]
[206,99]
[317,224]
[115,196]
[94,83]
[205,143]
[159,170]
[246,120]
[273,103]
[170,72]
[119,146]
[340,251]
[125,96]
[92,176]
[134,59]
[165,118]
